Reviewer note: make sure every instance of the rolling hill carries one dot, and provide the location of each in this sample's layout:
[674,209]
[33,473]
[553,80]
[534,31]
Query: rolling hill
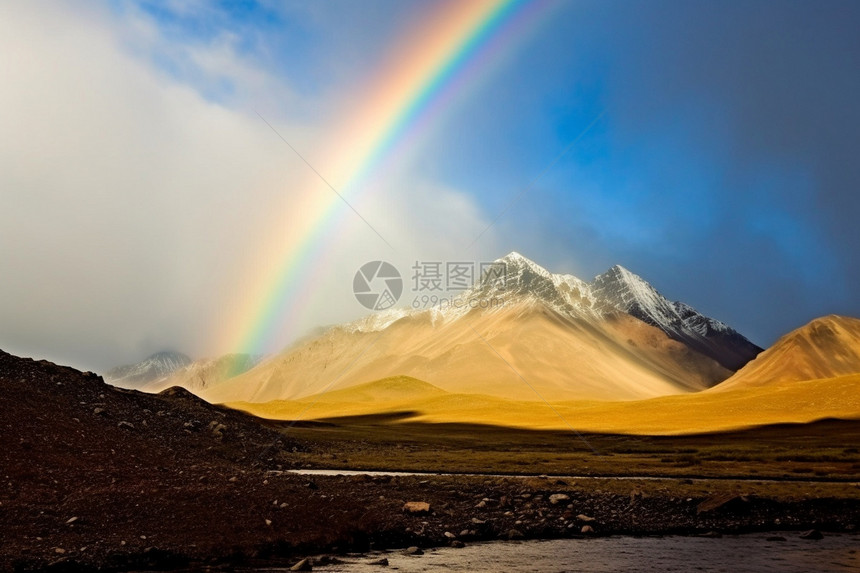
[827,347]
[703,412]
[810,374]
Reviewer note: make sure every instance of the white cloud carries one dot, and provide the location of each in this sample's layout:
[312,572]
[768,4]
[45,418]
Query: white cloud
[134,209]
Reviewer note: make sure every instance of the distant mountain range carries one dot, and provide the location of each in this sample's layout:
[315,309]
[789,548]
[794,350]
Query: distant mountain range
[165,369]
[535,335]
[204,373]
[611,354]
[159,365]
[538,350]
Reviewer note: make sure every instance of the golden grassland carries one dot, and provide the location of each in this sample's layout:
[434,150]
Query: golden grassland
[709,411]
[811,453]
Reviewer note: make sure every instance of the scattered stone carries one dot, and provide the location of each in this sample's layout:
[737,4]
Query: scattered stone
[233,479]
[99,412]
[59,550]
[481,504]
[515,534]
[381,562]
[71,520]
[217,429]
[813,534]
[412,551]
[416,507]
[464,533]
[303,565]
[584,518]
[449,535]
[126,425]
[458,544]
[557,498]
[477,521]
[586,529]
[269,522]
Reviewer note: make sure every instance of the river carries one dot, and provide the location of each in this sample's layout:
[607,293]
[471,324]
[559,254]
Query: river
[372,473]
[732,554]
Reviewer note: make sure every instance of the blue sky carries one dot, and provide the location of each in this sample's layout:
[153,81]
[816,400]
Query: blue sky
[723,169]
[720,171]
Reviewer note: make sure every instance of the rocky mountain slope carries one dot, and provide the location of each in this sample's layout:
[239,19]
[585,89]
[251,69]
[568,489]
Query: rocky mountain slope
[624,291]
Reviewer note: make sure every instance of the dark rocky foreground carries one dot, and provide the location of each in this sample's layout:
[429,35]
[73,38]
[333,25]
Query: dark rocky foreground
[92,477]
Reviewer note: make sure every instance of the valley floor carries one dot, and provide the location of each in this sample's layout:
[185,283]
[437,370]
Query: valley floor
[141,513]
[826,451]
[105,479]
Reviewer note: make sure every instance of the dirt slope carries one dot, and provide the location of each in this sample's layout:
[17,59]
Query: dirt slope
[827,347]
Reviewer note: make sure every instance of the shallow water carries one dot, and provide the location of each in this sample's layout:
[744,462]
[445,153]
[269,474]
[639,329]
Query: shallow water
[336,472]
[733,554]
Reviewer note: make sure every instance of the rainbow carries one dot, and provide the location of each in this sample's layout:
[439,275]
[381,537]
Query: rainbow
[450,49]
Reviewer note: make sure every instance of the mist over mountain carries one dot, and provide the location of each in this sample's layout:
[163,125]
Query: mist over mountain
[202,374]
[155,367]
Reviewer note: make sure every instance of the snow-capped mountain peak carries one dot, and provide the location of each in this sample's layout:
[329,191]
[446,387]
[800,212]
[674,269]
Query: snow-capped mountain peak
[618,290]
[630,293]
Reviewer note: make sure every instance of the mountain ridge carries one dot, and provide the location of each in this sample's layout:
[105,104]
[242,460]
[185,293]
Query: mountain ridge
[616,290]
[569,339]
